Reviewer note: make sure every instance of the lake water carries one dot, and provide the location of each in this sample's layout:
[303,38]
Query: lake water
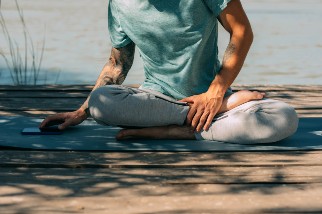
[287,48]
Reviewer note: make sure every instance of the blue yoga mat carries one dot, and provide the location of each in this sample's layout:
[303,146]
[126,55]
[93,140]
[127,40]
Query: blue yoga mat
[91,136]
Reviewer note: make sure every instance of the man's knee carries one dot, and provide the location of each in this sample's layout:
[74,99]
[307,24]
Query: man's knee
[277,122]
[103,103]
[286,122]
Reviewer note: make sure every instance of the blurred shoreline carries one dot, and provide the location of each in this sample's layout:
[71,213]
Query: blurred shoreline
[287,48]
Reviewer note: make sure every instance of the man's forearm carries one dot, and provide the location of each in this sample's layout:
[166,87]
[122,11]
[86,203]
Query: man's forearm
[105,79]
[115,70]
[233,61]
[235,21]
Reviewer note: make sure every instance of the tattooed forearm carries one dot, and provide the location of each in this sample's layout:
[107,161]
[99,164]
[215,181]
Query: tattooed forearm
[230,66]
[231,49]
[119,64]
[116,69]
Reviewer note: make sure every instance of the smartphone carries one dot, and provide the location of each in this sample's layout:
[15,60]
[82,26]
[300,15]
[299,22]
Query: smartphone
[53,130]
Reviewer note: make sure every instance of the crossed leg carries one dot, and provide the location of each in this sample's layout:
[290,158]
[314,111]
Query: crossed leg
[245,117]
[186,132]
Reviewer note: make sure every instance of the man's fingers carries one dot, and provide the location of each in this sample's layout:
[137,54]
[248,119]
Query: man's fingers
[45,122]
[65,125]
[190,115]
[195,120]
[187,100]
[202,121]
[209,121]
[52,120]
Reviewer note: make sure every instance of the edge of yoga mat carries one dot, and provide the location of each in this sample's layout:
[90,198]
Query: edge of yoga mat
[91,136]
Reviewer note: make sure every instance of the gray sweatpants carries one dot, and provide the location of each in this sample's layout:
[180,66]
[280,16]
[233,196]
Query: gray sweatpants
[260,121]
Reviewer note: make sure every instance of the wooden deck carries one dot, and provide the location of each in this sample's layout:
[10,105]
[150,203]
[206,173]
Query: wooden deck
[156,182]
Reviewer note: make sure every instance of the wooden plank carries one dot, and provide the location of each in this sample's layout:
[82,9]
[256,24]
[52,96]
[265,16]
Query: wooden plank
[64,95]
[43,113]
[292,94]
[47,104]
[72,102]
[83,94]
[297,88]
[309,112]
[159,159]
[55,98]
[182,175]
[27,113]
[253,202]
[120,191]
[46,88]
[67,95]
[70,88]
[44,94]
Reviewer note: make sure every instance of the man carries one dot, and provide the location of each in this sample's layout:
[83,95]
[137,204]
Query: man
[186,93]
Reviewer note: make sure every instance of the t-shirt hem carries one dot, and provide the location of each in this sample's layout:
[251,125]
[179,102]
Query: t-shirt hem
[122,44]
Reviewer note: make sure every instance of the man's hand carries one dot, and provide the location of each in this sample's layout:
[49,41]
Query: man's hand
[203,108]
[114,72]
[65,120]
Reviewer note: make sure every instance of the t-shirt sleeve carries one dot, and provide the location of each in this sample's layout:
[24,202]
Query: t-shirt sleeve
[118,36]
[217,6]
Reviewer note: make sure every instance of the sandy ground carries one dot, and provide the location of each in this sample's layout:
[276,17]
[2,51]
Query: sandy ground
[287,47]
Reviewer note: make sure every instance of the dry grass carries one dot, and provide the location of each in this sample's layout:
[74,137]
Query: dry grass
[24,61]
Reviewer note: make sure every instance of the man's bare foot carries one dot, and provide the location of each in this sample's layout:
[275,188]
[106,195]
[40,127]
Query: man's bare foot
[239,98]
[185,132]
[163,132]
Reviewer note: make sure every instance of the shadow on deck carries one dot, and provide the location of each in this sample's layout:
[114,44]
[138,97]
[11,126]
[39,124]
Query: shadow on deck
[156,182]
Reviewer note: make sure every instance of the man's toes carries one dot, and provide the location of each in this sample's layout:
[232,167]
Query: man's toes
[136,133]
[257,95]
[123,134]
[119,135]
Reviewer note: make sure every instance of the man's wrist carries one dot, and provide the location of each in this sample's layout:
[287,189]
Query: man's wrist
[85,111]
[88,114]
[218,87]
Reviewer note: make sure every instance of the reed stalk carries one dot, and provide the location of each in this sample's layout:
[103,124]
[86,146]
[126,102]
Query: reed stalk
[21,72]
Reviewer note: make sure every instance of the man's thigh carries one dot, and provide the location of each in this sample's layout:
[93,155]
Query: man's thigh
[126,106]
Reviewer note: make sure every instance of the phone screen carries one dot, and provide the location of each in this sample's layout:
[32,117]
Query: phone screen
[44,131]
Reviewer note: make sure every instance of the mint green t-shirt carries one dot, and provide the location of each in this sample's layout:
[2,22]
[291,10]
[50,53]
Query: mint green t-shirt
[177,41]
